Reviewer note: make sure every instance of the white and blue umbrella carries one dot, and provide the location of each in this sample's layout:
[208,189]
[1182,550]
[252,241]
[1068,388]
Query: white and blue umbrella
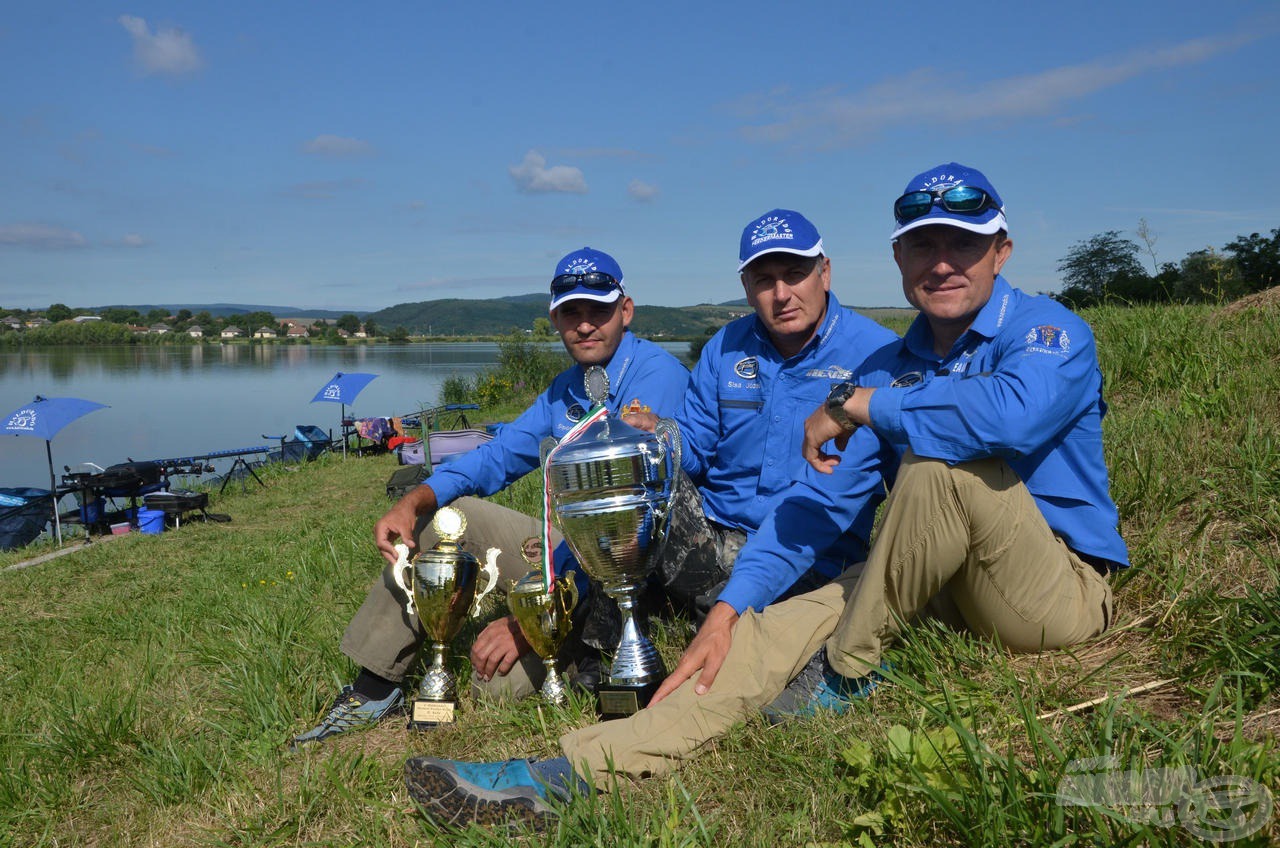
[343,389]
[43,418]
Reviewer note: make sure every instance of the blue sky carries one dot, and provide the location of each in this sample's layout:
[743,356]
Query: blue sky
[355,156]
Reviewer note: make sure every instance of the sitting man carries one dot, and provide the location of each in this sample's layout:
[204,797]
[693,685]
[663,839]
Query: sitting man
[592,311]
[999,518]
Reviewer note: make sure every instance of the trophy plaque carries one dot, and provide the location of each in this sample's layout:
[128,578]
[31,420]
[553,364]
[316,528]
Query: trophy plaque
[545,617]
[611,488]
[440,585]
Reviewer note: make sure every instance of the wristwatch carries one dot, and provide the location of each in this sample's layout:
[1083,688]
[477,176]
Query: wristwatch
[840,393]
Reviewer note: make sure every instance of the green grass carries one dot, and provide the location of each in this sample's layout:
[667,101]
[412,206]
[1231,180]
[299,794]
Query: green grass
[153,681]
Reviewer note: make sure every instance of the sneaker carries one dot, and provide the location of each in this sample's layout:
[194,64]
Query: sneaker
[351,711]
[818,687]
[510,792]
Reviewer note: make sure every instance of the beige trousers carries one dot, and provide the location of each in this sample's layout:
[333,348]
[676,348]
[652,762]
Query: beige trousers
[384,639]
[967,537]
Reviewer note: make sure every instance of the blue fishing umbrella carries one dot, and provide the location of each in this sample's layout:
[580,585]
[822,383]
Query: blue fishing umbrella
[43,418]
[343,389]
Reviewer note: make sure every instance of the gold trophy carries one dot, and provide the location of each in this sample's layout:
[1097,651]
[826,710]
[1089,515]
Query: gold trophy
[440,585]
[544,617]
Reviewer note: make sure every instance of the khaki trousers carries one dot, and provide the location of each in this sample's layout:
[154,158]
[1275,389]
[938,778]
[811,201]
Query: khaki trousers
[966,538]
[383,638]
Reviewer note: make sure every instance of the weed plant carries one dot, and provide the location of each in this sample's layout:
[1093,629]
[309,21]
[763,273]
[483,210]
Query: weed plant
[153,681]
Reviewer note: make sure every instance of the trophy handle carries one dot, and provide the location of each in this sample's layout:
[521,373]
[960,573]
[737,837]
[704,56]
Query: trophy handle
[670,451]
[402,572]
[490,569]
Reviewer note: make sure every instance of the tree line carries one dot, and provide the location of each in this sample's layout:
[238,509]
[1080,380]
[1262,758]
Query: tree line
[1110,268]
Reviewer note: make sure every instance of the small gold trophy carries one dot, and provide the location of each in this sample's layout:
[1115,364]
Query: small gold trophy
[440,585]
[544,617]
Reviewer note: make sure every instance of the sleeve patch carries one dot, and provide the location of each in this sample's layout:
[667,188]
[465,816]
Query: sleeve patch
[1048,339]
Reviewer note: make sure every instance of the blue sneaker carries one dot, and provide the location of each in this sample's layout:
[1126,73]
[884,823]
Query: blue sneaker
[818,687]
[510,792]
[351,711]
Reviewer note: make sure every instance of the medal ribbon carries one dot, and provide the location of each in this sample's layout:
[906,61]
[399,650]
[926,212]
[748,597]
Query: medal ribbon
[548,560]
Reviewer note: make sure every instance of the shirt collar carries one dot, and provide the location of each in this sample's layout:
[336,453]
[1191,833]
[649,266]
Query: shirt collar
[989,321]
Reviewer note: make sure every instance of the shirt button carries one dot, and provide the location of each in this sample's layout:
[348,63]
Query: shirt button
[771,463]
[777,418]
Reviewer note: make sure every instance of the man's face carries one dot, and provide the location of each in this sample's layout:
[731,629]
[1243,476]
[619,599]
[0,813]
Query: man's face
[789,293]
[948,273]
[591,331]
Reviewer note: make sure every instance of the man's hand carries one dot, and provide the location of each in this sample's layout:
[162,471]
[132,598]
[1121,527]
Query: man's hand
[705,653]
[497,648]
[646,421]
[820,428]
[399,522]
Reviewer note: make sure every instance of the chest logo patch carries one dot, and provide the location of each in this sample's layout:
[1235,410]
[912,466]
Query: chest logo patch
[747,369]
[831,372]
[575,412]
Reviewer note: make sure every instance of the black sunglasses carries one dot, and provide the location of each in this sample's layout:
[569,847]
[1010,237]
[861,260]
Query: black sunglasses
[962,200]
[595,280]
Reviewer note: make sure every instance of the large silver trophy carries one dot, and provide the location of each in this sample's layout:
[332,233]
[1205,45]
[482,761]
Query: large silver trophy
[440,586]
[611,488]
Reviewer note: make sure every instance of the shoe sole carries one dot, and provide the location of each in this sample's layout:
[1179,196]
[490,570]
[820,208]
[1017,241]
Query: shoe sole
[437,793]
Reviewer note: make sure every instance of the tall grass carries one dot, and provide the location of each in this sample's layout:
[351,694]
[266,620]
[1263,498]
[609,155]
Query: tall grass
[153,681]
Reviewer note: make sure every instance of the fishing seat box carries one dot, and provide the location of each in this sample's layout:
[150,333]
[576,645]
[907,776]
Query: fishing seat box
[404,480]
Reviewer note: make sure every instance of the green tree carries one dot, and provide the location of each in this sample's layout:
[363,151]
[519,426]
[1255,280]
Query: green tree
[349,322]
[399,335]
[1207,275]
[370,329]
[1257,258]
[542,328]
[1105,264]
[58,312]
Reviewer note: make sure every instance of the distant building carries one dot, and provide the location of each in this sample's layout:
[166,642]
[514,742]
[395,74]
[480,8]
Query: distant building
[296,331]
[195,331]
[159,329]
[264,333]
[343,334]
[13,323]
[232,332]
[80,319]
[37,322]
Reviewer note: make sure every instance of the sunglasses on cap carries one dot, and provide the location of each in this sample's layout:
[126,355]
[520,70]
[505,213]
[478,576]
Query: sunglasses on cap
[595,280]
[961,200]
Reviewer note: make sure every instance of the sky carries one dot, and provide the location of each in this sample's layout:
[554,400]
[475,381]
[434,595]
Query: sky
[356,156]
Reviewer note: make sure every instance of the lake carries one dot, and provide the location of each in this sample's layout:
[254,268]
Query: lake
[179,401]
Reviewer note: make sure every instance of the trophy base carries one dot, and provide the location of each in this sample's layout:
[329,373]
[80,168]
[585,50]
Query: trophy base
[428,715]
[619,700]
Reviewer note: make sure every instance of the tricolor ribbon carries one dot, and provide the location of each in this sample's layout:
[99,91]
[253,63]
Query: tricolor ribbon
[548,559]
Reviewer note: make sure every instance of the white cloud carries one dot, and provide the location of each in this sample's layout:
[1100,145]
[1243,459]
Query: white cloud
[169,50]
[642,191]
[41,237]
[133,240]
[831,117]
[335,145]
[532,176]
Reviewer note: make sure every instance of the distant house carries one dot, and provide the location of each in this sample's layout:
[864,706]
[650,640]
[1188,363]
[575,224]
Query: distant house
[296,331]
[37,322]
[13,323]
[159,329]
[232,332]
[361,334]
[343,334]
[80,319]
[195,331]
[137,330]
[264,333]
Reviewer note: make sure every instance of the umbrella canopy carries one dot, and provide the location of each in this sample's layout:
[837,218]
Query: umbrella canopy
[343,388]
[43,418]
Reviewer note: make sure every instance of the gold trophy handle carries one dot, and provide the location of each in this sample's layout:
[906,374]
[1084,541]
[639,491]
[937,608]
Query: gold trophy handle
[402,572]
[490,569]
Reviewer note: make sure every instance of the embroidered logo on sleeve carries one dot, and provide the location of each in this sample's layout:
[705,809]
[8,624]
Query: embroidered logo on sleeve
[1048,339]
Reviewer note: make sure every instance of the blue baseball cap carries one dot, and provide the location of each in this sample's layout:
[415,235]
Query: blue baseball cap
[586,274]
[987,219]
[778,231]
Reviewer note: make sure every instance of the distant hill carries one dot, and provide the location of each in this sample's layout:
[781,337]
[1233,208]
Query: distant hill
[222,310]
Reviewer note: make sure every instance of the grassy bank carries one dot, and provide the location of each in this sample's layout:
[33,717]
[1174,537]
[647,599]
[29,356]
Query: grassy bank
[153,681]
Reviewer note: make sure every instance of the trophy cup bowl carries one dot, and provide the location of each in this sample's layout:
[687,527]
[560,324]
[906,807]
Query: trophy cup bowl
[545,619]
[611,489]
[441,588]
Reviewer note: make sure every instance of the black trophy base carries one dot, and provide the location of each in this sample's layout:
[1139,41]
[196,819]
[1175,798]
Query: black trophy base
[619,700]
[428,715]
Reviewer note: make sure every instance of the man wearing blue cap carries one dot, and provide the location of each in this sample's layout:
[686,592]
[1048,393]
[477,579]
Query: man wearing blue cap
[592,311]
[989,410]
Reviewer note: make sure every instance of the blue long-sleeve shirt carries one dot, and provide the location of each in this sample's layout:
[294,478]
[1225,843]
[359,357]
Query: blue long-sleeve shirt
[1022,383]
[639,370]
[742,426]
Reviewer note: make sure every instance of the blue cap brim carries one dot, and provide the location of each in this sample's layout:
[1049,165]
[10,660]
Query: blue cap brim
[991,221]
[584,293]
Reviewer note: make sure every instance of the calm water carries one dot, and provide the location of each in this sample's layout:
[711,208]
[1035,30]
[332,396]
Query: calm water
[179,401]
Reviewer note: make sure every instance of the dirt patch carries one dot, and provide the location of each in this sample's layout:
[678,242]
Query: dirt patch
[1265,300]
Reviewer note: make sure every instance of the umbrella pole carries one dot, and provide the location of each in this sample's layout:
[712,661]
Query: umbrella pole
[53,493]
[342,426]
